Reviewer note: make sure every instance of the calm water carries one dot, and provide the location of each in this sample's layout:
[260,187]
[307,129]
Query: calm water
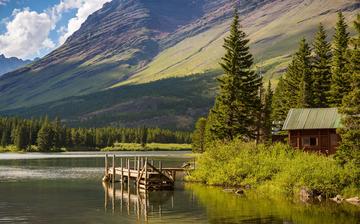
[67,188]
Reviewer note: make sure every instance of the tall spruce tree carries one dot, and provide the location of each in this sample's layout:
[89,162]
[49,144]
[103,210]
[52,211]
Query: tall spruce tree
[340,81]
[267,112]
[21,138]
[144,136]
[303,63]
[237,104]
[350,133]
[321,69]
[198,137]
[45,137]
[281,103]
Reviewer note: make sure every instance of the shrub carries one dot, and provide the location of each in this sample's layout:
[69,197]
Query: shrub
[237,163]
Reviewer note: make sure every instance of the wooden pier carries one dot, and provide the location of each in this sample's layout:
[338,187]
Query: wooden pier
[144,173]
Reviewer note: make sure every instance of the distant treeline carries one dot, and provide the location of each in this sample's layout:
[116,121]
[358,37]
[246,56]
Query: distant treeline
[44,135]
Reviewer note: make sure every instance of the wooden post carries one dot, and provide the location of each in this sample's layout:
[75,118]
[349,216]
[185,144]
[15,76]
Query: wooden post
[129,175]
[161,174]
[138,172]
[113,166]
[146,161]
[122,171]
[106,164]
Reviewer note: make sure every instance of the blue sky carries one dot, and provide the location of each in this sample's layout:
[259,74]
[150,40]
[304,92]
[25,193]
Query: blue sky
[33,28]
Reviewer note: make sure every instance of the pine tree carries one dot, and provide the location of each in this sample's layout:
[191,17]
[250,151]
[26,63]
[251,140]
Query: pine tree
[350,133]
[58,133]
[45,137]
[21,138]
[144,136]
[280,104]
[303,63]
[198,137]
[5,138]
[340,81]
[267,119]
[321,69]
[237,104]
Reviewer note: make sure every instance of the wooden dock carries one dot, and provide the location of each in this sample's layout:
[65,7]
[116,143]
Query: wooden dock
[144,173]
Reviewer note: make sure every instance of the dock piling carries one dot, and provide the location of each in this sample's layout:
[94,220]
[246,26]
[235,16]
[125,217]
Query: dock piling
[113,169]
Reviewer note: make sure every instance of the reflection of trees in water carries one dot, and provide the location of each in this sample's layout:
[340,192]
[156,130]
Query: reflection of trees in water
[263,207]
[136,202]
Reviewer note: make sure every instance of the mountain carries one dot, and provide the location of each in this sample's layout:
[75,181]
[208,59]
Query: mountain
[10,64]
[115,68]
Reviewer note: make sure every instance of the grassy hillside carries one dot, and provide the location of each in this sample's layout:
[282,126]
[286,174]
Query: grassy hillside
[274,30]
[173,103]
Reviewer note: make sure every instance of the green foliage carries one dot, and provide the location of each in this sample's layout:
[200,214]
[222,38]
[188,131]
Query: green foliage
[21,138]
[280,104]
[321,69]
[350,133]
[45,137]
[340,82]
[295,89]
[303,68]
[198,137]
[144,136]
[288,170]
[237,104]
[42,135]
[267,114]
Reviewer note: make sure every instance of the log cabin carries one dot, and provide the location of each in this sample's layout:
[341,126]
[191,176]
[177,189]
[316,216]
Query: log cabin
[313,129]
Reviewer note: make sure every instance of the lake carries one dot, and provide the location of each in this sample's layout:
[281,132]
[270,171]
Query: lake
[67,188]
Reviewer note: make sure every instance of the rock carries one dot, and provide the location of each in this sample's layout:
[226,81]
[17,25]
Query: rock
[319,198]
[229,190]
[239,191]
[338,198]
[354,201]
[305,194]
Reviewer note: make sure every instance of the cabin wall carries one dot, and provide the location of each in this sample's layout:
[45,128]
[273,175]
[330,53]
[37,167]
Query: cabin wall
[318,140]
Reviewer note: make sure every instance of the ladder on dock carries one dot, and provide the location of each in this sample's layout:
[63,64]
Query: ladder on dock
[143,172]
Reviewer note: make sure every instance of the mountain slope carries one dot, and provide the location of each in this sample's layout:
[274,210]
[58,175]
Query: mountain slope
[10,64]
[112,45]
[138,62]
[274,31]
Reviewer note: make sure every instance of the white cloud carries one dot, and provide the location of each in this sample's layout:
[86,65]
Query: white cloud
[85,9]
[3,2]
[26,34]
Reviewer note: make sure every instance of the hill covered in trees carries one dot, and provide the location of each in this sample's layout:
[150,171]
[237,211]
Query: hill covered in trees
[44,135]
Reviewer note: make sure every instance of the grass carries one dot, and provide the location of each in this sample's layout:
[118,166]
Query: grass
[148,147]
[277,168]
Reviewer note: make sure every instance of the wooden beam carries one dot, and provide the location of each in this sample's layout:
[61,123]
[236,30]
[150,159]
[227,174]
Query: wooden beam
[113,167]
[106,164]
[122,171]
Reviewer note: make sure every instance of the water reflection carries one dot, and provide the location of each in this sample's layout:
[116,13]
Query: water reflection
[134,202]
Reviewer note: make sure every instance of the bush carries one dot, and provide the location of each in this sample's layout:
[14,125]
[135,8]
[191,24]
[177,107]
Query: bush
[237,164]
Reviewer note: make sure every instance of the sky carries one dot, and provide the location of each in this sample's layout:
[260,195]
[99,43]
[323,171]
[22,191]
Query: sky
[33,28]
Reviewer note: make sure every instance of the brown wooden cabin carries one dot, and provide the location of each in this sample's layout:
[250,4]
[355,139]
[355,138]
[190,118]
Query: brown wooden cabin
[313,129]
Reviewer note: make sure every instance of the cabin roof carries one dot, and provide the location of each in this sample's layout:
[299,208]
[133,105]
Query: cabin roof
[312,118]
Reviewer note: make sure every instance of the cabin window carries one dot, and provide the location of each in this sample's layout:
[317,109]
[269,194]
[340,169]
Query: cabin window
[309,141]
